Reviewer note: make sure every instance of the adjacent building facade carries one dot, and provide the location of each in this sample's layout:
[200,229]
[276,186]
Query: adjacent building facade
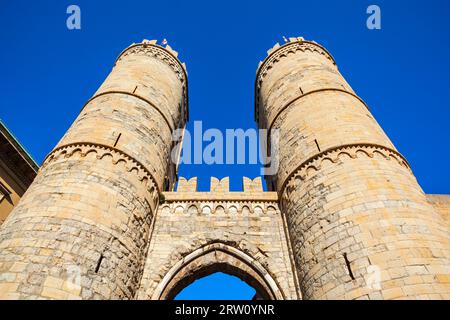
[344,217]
[17,171]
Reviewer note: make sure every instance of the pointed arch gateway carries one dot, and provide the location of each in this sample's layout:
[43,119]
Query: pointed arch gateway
[218,257]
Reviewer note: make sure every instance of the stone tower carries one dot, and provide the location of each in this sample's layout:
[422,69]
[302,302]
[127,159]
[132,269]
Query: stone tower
[355,212]
[344,217]
[88,215]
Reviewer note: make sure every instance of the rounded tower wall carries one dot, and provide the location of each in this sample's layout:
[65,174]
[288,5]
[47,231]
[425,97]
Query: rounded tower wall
[300,91]
[82,229]
[359,223]
[153,82]
[139,131]
[154,75]
[293,74]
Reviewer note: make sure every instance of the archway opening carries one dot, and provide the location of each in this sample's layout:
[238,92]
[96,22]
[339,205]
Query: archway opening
[213,278]
[217,286]
[218,258]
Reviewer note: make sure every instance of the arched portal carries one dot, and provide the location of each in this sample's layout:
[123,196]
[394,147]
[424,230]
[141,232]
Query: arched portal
[218,257]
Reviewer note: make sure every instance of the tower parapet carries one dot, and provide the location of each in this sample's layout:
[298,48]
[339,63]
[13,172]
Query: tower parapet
[222,185]
[166,54]
[276,53]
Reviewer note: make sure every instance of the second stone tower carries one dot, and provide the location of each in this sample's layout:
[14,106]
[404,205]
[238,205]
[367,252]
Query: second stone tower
[360,225]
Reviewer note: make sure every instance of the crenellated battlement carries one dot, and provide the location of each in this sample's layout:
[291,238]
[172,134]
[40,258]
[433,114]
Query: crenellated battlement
[220,185]
[219,190]
[185,185]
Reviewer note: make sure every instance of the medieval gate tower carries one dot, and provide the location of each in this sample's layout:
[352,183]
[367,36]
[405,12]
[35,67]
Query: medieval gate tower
[344,217]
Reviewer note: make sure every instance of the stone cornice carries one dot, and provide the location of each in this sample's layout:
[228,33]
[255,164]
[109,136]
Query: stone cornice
[283,51]
[158,52]
[333,154]
[101,150]
[220,207]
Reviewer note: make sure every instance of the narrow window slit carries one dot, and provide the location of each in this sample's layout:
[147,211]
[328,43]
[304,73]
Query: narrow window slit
[349,268]
[135,88]
[301,91]
[99,263]
[117,140]
[317,145]
[166,184]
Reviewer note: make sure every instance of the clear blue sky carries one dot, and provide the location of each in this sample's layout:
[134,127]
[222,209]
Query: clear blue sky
[217,286]
[402,71]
